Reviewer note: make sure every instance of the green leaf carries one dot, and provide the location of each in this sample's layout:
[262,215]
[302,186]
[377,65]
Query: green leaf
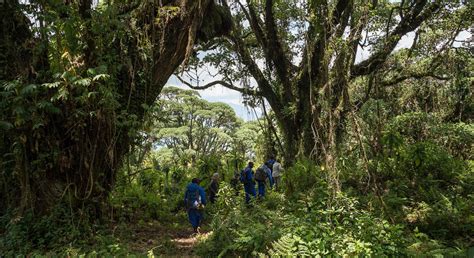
[63,93]
[101,77]
[91,72]
[83,82]
[19,110]
[48,107]
[51,85]
[92,94]
[9,86]
[4,125]
[29,89]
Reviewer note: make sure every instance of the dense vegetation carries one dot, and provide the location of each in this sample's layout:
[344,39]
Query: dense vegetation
[95,153]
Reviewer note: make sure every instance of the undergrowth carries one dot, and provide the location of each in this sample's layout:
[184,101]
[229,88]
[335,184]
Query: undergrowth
[56,234]
[307,220]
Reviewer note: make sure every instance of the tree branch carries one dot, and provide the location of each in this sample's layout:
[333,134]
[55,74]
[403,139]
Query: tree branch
[409,23]
[244,54]
[337,12]
[246,91]
[315,49]
[275,51]
[255,23]
[413,76]
[343,12]
[415,42]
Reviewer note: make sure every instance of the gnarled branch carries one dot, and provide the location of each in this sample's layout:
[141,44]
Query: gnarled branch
[414,76]
[409,23]
[246,91]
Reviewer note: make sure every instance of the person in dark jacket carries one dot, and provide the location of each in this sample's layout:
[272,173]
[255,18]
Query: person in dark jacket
[195,199]
[262,178]
[269,164]
[249,182]
[214,187]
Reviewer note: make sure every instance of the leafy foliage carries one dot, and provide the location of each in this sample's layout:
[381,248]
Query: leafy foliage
[191,125]
[309,224]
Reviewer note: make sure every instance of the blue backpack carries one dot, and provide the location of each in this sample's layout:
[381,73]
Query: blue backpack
[193,200]
[242,176]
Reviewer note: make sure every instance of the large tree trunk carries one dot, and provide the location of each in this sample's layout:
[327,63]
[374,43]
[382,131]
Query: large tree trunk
[76,160]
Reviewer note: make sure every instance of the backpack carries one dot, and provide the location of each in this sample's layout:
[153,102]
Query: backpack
[193,200]
[242,176]
[260,174]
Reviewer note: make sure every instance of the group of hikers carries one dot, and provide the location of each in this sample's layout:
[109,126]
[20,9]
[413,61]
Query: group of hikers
[195,195]
[269,171]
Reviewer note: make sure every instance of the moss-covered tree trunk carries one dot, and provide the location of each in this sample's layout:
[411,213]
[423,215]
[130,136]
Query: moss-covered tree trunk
[74,155]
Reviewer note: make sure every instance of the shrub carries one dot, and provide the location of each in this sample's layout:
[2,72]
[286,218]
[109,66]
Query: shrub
[343,229]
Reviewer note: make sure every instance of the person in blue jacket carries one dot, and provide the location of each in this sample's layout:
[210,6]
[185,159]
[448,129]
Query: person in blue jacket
[268,170]
[268,173]
[271,160]
[195,199]
[249,183]
[269,164]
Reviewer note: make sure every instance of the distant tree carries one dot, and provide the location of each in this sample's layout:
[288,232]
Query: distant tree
[245,140]
[192,126]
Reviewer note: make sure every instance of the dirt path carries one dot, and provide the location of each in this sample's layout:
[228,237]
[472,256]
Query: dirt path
[172,240]
[185,243]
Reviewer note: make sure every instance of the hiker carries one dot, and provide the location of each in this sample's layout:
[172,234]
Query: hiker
[247,179]
[195,199]
[271,160]
[268,170]
[261,176]
[276,174]
[214,187]
[269,164]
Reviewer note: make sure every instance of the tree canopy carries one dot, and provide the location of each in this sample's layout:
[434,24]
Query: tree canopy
[305,58]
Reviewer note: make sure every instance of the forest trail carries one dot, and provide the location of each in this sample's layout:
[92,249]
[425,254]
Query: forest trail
[168,240]
[185,243]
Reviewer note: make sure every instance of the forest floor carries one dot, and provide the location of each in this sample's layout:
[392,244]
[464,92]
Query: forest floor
[170,239]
